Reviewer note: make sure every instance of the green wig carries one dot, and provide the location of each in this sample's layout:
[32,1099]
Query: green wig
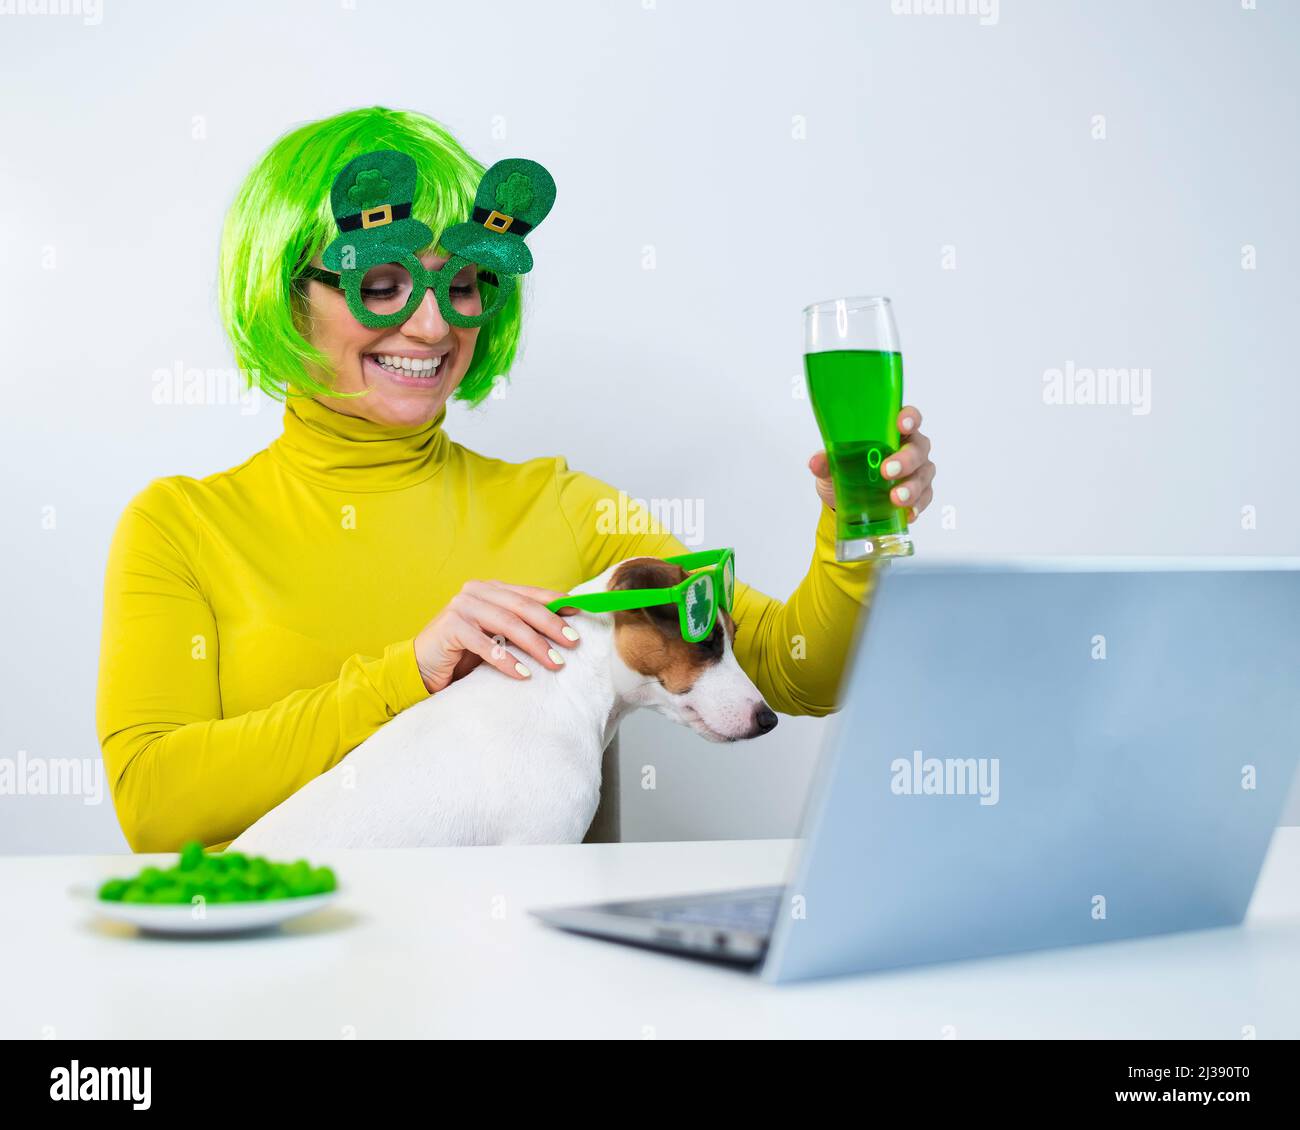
[281,218]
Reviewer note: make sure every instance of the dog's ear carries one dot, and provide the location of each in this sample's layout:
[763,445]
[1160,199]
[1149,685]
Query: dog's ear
[650,573]
[646,573]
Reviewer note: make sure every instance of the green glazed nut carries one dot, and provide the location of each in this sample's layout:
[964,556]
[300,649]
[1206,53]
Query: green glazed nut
[216,877]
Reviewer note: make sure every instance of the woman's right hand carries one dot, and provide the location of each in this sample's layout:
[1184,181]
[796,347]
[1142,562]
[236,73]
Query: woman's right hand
[476,622]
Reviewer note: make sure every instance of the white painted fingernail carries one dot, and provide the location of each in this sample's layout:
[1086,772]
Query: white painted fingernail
[908,424]
[556,657]
[904,494]
[893,467]
[569,633]
[522,669]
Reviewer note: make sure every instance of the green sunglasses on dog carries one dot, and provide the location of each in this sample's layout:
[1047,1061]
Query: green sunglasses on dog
[711,585]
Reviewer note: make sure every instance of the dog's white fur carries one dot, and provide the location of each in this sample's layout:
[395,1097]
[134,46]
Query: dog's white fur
[489,760]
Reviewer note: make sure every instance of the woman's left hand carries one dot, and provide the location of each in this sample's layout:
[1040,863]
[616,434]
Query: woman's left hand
[911,469]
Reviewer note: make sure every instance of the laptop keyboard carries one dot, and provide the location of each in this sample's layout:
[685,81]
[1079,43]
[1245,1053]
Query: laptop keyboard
[754,914]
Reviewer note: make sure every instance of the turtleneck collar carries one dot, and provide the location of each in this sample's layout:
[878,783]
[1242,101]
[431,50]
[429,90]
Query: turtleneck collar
[351,454]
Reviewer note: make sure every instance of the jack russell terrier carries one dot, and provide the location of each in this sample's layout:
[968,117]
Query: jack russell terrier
[484,762]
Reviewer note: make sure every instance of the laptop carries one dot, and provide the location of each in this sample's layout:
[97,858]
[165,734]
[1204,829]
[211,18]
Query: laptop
[1081,750]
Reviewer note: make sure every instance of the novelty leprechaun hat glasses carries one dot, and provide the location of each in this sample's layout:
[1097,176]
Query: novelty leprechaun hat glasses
[374,259]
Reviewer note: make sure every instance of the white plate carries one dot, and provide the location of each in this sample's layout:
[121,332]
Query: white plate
[217,917]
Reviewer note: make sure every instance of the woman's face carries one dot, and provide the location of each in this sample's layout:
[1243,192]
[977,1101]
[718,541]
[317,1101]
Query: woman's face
[362,357]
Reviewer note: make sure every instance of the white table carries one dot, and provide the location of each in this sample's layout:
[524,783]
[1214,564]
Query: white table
[437,943]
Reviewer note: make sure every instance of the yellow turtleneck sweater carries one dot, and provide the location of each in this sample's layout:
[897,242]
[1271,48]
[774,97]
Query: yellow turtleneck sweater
[259,623]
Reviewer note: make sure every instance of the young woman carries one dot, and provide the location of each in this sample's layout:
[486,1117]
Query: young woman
[263,621]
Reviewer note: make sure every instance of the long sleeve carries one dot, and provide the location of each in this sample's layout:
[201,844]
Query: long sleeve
[794,651]
[179,770]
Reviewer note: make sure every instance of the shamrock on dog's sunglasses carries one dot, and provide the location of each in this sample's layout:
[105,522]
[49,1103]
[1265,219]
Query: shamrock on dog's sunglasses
[387,294]
[711,585]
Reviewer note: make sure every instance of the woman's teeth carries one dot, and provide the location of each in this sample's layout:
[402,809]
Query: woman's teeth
[407,366]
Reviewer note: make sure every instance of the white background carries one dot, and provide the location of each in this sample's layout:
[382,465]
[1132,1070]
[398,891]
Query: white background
[771,155]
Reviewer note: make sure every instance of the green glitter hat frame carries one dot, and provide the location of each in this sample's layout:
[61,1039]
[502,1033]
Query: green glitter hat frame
[514,196]
[371,201]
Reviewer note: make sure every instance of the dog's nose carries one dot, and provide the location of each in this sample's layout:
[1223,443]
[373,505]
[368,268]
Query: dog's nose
[764,718]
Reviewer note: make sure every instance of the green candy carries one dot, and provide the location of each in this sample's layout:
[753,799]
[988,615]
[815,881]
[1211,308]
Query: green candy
[151,879]
[217,877]
[191,856]
[114,889]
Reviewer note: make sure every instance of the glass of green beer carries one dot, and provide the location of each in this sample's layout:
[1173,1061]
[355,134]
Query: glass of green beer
[855,382]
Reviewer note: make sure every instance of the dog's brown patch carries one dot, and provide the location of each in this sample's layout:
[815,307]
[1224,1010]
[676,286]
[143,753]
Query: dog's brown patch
[649,640]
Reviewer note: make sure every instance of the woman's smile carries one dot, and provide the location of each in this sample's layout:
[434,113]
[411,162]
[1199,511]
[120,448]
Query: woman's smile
[413,370]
